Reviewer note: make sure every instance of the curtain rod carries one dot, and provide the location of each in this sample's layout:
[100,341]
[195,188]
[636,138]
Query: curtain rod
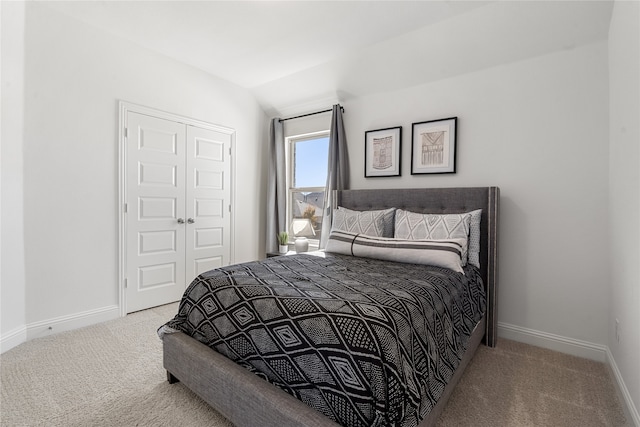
[310,114]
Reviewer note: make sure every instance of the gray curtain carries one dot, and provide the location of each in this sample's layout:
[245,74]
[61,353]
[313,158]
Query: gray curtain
[276,186]
[337,170]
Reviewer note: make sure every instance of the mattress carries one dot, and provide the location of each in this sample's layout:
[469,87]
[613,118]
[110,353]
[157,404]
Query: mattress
[365,342]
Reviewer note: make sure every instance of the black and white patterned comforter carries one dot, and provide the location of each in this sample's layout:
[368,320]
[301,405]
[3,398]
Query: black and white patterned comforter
[364,341]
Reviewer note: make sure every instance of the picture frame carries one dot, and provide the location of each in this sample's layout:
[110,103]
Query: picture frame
[382,152]
[433,146]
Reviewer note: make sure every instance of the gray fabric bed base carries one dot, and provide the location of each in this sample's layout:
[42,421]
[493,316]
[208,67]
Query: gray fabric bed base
[248,401]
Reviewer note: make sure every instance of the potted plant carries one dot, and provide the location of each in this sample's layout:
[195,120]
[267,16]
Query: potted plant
[283,240]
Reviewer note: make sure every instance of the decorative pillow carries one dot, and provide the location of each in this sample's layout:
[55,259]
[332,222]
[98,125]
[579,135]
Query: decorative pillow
[441,253]
[474,237]
[371,223]
[416,226]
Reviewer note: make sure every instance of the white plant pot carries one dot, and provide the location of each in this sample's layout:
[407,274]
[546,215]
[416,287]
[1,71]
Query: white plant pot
[302,244]
[283,249]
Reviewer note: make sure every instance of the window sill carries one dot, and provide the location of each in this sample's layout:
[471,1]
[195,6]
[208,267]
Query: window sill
[274,254]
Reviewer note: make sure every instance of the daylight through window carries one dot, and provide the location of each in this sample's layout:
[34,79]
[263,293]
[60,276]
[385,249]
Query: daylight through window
[308,155]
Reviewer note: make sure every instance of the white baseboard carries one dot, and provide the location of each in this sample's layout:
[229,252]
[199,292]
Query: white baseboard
[553,342]
[13,338]
[598,352]
[623,392]
[58,324]
[73,321]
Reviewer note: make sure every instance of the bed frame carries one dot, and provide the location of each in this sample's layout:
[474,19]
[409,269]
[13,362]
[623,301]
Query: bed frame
[247,400]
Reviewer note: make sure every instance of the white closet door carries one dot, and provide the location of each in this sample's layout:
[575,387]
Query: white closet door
[208,200]
[155,206]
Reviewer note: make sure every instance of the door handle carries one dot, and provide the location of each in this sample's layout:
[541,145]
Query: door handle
[191,220]
[180,221]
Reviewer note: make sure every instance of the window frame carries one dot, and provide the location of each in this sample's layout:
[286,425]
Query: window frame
[314,244]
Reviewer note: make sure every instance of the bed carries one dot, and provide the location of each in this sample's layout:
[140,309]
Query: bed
[248,393]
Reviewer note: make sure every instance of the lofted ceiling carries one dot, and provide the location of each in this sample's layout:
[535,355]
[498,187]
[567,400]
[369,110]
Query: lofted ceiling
[295,56]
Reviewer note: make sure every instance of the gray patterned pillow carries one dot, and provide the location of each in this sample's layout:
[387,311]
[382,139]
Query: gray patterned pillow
[474,237]
[370,223]
[416,226]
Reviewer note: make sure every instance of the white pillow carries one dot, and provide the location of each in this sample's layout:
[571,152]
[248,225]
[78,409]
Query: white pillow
[441,253]
[417,226]
[370,223]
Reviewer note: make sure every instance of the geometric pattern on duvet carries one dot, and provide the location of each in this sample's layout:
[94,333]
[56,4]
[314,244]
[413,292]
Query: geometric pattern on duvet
[365,342]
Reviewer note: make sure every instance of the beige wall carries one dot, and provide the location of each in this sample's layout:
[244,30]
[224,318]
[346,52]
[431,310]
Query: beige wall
[74,77]
[12,272]
[624,194]
[538,130]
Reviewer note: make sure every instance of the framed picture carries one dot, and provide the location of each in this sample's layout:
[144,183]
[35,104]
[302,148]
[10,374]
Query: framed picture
[382,152]
[433,146]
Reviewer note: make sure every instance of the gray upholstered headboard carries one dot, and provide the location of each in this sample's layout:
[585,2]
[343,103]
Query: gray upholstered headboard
[445,200]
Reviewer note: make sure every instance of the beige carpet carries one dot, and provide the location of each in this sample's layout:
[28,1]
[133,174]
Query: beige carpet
[111,375]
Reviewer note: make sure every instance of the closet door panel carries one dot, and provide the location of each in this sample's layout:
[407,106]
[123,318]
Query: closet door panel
[155,200]
[208,195]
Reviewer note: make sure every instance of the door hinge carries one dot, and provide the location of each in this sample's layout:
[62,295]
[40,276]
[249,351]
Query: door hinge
[126,283]
[229,150]
[126,132]
[126,207]
[229,208]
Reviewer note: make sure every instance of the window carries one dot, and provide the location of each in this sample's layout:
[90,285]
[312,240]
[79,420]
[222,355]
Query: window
[307,177]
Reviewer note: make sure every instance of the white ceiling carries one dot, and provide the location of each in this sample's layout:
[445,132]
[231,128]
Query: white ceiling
[296,56]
